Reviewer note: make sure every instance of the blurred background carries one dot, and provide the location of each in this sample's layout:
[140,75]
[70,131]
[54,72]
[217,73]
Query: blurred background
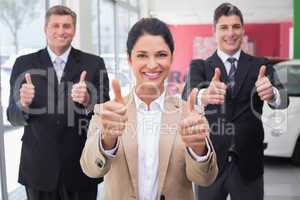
[272,30]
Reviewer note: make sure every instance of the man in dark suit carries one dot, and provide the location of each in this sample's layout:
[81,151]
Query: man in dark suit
[233,87]
[53,92]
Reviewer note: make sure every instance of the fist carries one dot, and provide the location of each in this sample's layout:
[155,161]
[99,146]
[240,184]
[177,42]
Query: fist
[264,87]
[215,93]
[79,92]
[113,118]
[194,127]
[27,92]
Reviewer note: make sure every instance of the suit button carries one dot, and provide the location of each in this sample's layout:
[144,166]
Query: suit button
[229,159]
[99,162]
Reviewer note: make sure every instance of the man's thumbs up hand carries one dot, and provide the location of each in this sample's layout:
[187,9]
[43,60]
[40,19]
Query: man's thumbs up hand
[27,92]
[215,93]
[194,127]
[80,92]
[113,118]
[264,86]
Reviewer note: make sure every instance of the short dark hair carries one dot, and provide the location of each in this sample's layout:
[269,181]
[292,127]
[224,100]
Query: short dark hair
[151,26]
[60,10]
[227,9]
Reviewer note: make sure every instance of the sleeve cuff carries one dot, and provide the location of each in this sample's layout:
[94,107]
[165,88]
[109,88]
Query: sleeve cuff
[199,96]
[25,115]
[200,158]
[276,101]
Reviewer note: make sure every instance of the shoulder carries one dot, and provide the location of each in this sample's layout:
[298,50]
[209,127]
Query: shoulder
[29,57]
[198,62]
[256,59]
[87,56]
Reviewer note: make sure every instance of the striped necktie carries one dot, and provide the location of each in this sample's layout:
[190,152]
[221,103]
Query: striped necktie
[231,74]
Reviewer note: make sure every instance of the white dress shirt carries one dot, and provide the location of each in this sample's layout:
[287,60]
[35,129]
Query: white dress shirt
[148,135]
[224,57]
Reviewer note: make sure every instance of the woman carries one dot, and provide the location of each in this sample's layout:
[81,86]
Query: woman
[149,145]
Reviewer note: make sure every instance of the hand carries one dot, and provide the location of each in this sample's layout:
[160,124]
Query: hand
[194,127]
[263,85]
[27,92]
[80,92]
[113,118]
[215,93]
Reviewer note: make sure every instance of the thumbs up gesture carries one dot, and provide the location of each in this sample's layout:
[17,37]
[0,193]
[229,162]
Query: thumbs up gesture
[194,127]
[215,93]
[263,85]
[27,92]
[113,118]
[79,92]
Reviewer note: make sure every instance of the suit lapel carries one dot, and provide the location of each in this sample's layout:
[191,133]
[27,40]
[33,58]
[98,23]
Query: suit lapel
[168,132]
[244,65]
[215,61]
[73,66]
[129,140]
[45,59]
[46,64]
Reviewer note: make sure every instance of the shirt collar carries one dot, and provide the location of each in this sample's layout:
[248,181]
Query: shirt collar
[63,56]
[225,56]
[158,103]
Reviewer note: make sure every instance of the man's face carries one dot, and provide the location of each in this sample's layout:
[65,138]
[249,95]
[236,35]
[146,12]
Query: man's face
[229,33]
[59,31]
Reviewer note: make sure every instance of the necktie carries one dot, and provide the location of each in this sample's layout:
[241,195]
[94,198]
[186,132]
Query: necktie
[59,67]
[231,74]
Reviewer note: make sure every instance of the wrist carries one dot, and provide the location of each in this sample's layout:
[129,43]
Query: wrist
[200,151]
[108,142]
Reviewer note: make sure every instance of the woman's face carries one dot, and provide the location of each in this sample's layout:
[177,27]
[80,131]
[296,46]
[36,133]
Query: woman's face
[150,59]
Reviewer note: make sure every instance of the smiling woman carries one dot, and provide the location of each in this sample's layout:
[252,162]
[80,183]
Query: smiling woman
[156,143]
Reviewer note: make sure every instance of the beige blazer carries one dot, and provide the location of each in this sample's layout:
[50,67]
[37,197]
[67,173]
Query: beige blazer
[177,169]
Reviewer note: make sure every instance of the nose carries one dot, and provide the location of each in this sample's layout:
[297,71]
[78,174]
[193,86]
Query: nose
[230,31]
[152,63]
[60,30]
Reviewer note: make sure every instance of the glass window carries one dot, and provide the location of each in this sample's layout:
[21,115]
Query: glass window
[293,81]
[106,30]
[111,23]
[55,2]
[289,75]
[134,3]
[20,34]
[126,19]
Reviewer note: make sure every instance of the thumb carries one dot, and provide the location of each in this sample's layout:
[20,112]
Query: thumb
[117,91]
[192,100]
[217,75]
[262,72]
[28,78]
[82,76]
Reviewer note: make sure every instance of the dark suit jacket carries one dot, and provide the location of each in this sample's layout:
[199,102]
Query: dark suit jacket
[55,134]
[238,120]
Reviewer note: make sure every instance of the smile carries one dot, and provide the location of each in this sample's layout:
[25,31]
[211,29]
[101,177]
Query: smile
[151,75]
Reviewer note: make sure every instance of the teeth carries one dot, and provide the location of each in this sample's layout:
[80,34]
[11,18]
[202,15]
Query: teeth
[152,74]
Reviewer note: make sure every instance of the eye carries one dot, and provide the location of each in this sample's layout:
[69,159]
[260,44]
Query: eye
[141,55]
[223,27]
[162,54]
[237,26]
[55,25]
[67,26]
